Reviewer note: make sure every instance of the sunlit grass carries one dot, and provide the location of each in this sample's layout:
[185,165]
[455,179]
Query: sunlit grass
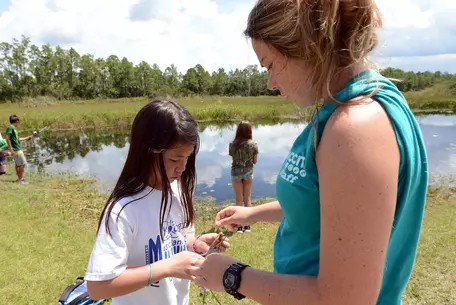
[50,224]
[61,115]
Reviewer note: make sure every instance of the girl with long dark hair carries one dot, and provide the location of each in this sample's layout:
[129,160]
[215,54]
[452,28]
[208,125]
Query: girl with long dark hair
[140,255]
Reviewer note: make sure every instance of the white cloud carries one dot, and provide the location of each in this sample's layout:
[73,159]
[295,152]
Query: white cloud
[180,32]
[418,35]
[209,32]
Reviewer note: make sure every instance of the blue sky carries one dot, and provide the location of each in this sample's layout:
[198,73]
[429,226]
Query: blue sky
[4,4]
[418,35]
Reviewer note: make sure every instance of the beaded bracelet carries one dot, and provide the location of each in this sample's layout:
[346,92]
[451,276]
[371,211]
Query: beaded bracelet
[194,243]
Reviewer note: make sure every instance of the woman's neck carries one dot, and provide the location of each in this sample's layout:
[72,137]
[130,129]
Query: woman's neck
[343,76]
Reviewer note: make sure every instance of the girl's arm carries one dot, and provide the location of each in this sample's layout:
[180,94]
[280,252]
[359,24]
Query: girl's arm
[358,161]
[255,159]
[132,279]
[108,274]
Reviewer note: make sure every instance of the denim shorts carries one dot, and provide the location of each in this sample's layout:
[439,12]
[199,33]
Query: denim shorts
[246,176]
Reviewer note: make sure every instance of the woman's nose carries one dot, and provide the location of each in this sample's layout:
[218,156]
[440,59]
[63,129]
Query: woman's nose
[272,85]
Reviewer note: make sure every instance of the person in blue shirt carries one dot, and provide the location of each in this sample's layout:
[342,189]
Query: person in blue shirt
[351,193]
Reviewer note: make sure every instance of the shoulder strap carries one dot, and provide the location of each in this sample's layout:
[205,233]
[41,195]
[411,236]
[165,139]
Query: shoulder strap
[69,289]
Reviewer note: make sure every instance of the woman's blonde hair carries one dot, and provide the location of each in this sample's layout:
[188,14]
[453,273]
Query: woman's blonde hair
[327,34]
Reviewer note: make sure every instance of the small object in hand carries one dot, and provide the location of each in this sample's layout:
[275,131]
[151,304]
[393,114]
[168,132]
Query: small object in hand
[216,245]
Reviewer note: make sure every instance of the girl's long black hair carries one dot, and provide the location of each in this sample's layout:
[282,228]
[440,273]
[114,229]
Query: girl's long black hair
[158,126]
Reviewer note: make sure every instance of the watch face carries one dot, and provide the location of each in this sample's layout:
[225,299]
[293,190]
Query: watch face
[229,280]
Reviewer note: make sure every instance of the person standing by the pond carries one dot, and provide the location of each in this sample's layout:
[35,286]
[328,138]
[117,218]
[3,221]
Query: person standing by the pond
[352,191]
[4,152]
[140,255]
[15,147]
[244,152]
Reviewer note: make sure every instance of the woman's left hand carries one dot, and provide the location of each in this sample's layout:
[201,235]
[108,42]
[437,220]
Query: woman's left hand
[203,243]
[210,272]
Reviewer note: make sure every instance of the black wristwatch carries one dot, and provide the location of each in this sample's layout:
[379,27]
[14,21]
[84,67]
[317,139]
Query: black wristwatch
[232,279]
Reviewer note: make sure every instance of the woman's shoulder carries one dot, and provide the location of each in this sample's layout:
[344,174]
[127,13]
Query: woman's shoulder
[366,122]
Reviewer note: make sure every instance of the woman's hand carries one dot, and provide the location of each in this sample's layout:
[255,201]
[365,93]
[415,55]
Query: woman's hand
[233,217]
[209,272]
[183,264]
[203,243]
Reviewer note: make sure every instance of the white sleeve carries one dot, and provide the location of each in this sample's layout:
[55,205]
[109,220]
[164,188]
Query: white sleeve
[110,252]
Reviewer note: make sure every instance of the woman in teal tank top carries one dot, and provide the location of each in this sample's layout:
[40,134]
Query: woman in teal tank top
[351,192]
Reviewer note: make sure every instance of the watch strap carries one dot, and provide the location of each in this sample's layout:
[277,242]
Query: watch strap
[237,269]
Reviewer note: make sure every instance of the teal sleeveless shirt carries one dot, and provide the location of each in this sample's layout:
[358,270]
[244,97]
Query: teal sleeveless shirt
[297,244]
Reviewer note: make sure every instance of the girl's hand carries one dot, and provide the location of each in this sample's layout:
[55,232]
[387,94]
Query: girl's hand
[234,217]
[203,243]
[183,264]
[209,272]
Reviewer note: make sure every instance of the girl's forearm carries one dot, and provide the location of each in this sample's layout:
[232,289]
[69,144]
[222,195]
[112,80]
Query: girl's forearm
[130,280]
[268,212]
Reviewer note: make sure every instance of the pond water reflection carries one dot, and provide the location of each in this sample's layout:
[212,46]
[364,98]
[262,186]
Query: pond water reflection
[101,154]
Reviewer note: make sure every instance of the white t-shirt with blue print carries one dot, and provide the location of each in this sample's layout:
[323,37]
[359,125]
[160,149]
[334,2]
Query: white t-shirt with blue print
[135,241]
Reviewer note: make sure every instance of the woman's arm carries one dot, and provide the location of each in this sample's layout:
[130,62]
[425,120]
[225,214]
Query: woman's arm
[358,161]
[234,216]
[268,212]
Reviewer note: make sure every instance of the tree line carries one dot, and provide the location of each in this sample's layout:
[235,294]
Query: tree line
[27,70]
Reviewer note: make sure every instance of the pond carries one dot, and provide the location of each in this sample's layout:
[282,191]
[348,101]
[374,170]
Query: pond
[101,154]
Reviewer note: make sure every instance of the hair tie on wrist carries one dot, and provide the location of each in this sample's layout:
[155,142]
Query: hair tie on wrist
[150,275]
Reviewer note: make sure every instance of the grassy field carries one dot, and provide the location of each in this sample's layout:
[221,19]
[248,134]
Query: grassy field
[99,113]
[48,228]
[44,112]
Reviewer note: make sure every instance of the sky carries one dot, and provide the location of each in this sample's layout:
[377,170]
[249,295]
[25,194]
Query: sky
[417,35]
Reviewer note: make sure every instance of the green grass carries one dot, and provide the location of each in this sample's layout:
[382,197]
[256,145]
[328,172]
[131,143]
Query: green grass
[116,113]
[58,115]
[434,278]
[48,228]
[438,98]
